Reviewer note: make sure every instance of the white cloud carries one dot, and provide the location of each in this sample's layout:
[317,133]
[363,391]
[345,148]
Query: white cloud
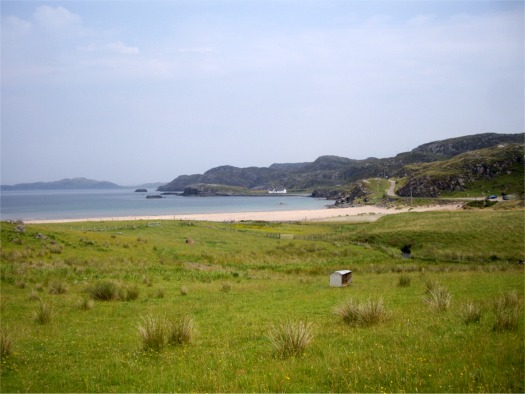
[55,18]
[16,26]
[119,47]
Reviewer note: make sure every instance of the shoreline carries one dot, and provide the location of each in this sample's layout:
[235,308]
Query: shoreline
[356,214]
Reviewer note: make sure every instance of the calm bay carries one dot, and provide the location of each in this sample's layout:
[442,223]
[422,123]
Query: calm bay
[76,204]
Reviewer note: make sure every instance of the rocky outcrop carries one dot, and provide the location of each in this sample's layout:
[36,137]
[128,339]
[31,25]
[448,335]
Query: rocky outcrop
[457,174]
[358,191]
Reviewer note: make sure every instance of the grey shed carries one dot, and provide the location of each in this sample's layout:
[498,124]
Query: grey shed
[341,278]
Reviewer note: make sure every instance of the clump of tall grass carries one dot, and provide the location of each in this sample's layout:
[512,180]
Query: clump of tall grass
[507,310]
[226,287]
[181,331]
[85,304]
[184,290]
[439,299]
[471,313]
[290,338]
[362,314]
[404,281]
[431,285]
[6,343]
[43,314]
[153,332]
[34,296]
[157,332]
[57,287]
[103,291]
[130,293]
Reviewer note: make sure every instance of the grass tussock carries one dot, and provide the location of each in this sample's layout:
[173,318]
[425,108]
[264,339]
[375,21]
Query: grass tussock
[290,339]
[6,343]
[362,314]
[129,293]
[103,291]
[44,313]
[507,310]
[153,332]
[439,299]
[404,281]
[157,332]
[182,331]
[85,304]
[57,287]
[471,313]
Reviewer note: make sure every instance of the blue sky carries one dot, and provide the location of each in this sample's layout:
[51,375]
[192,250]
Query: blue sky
[143,91]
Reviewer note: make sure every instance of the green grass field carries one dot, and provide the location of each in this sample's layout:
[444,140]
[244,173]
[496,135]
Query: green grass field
[239,282]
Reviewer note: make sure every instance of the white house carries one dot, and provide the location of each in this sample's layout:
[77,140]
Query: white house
[341,278]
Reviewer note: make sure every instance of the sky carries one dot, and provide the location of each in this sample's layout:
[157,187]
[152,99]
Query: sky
[144,91]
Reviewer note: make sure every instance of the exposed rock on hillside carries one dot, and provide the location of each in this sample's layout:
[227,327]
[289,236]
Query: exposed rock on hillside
[433,179]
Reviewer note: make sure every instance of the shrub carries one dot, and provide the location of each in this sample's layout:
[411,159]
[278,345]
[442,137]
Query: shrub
[184,290]
[290,338]
[404,281]
[103,291]
[43,314]
[226,287]
[363,314]
[507,309]
[181,331]
[439,299]
[153,333]
[471,313]
[57,287]
[6,343]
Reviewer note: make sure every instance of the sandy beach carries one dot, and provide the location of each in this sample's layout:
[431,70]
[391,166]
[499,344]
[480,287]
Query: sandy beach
[357,214]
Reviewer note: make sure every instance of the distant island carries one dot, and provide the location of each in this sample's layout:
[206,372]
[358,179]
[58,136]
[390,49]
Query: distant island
[64,184]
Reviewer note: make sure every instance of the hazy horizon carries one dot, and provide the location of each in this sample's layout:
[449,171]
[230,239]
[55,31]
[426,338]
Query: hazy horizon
[145,91]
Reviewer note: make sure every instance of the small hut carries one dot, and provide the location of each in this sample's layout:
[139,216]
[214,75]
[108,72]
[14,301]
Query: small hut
[341,278]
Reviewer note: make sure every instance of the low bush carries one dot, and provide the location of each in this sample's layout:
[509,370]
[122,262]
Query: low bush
[290,338]
[362,314]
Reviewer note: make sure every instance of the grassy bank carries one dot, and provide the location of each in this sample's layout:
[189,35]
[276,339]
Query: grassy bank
[242,284]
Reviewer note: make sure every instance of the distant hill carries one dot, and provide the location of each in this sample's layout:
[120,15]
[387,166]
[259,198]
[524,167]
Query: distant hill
[329,172]
[64,184]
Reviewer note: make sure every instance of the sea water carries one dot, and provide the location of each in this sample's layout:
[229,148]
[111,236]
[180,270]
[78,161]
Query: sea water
[77,204]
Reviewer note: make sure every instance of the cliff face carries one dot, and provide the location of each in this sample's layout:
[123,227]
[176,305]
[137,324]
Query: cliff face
[334,171]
